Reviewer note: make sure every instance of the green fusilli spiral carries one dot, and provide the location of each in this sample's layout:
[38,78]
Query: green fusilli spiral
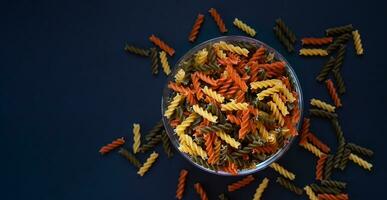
[324,189]
[359,149]
[130,157]
[341,88]
[332,183]
[136,50]
[328,169]
[289,185]
[322,113]
[342,39]
[328,66]
[339,30]
[283,39]
[286,30]
[166,144]
[217,127]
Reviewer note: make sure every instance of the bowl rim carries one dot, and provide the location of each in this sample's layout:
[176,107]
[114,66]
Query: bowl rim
[291,73]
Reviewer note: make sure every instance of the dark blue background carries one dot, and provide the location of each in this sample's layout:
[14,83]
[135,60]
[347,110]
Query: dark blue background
[67,87]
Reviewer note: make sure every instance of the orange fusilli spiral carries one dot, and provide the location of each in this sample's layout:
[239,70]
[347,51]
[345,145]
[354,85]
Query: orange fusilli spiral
[320,167]
[333,196]
[273,68]
[113,145]
[332,91]
[158,42]
[316,41]
[241,183]
[218,20]
[236,78]
[225,86]
[217,148]
[209,140]
[234,119]
[318,143]
[231,168]
[174,123]
[265,149]
[196,27]
[232,90]
[199,189]
[240,97]
[206,78]
[196,86]
[245,124]
[179,88]
[181,184]
[191,99]
[305,129]
[258,55]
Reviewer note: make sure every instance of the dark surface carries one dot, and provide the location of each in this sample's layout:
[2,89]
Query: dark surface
[67,87]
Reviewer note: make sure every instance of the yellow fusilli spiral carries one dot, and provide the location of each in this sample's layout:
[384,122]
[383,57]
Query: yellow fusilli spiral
[289,96]
[261,188]
[262,131]
[186,149]
[281,170]
[310,193]
[219,53]
[234,106]
[313,52]
[313,149]
[246,28]
[322,105]
[136,138]
[264,84]
[280,104]
[359,161]
[173,105]
[164,63]
[201,57]
[228,139]
[205,114]
[148,163]
[180,129]
[357,42]
[179,76]
[268,92]
[276,113]
[229,47]
[193,146]
[211,93]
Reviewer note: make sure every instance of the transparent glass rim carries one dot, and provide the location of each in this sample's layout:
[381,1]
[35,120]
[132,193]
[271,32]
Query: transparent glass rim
[293,78]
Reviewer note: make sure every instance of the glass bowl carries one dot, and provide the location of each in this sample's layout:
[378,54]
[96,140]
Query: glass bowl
[292,78]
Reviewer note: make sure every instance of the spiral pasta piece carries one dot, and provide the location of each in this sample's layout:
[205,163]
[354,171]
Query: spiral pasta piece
[245,124]
[209,140]
[179,88]
[332,183]
[201,57]
[289,96]
[158,42]
[229,47]
[324,72]
[155,60]
[136,138]
[316,41]
[324,189]
[310,193]
[332,92]
[281,170]
[180,129]
[130,157]
[261,188]
[313,52]
[166,144]
[322,113]
[313,149]
[234,119]
[359,149]
[148,164]
[339,41]
[333,196]
[280,104]
[283,39]
[179,76]
[339,30]
[183,147]
[204,113]
[240,184]
[318,143]
[268,92]
[289,33]
[193,146]
[236,78]
[357,42]
[328,167]
[258,55]
[196,28]
[206,78]
[289,185]
[181,184]
[234,106]
[213,94]
[164,63]
[340,81]
[320,167]
[361,162]
[323,105]
[151,144]
[228,139]
[173,105]
[244,27]
[113,145]
[264,84]
[136,50]
[199,189]
[276,113]
[218,20]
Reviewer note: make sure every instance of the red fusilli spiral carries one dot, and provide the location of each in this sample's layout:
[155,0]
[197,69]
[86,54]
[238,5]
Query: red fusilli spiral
[181,184]
[234,119]
[231,168]
[318,143]
[236,78]
[179,88]
[239,184]
[265,149]
[196,85]
[332,91]
[316,41]
[225,86]
[158,42]
[304,130]
[258,55]
[199,189]
[320,167]
[113,145]
[196,27]
[209,140]
[206,78]
[245,124]
[333,196]
[218,20]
